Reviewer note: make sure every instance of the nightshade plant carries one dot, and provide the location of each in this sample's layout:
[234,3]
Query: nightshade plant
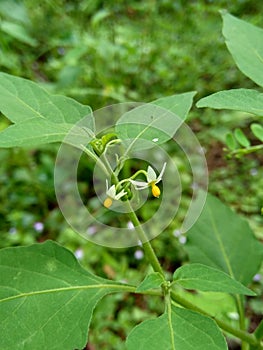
[47,298]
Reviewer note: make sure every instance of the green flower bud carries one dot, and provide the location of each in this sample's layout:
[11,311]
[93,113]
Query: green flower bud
[97,146]
[107,138]
[128,195]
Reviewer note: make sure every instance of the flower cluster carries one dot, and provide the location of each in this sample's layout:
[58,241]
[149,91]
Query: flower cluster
[152,181]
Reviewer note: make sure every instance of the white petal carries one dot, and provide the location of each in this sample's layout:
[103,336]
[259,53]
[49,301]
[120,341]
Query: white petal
[119,195]
[151,175]
[139,185]
[159,178]
[107,185]
[111,192]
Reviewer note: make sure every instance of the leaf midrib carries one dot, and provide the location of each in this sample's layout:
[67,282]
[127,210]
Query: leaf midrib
[71,288]
[13,96]
[221,244]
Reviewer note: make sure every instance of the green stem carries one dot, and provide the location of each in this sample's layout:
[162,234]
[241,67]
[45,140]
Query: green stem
[111,173]
[149,252]
[244,151]
[137,173]
[107,164]
[241,334]
[242,323]
[96,159]
[132,177]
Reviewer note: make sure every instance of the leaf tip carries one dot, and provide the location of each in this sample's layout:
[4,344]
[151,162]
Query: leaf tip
[200,103]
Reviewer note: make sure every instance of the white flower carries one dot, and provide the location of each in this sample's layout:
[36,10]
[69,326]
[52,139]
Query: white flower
[112,195]
[152,180]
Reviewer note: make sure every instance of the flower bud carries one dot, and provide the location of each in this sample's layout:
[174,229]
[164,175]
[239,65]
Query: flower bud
[97,146]
[107,138]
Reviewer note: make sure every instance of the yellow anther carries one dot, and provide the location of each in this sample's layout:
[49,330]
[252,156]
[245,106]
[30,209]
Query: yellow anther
[108,202]
[156,191]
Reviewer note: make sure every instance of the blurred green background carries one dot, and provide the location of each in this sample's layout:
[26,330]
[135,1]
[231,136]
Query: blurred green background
[104,52]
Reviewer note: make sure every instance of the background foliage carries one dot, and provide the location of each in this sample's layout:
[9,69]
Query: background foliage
[102,52]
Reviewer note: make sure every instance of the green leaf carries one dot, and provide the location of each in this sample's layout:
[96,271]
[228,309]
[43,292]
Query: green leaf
[246,100]
[37,131]
[259,331]
[257,131]
[231,141]
[222,305]
[18,32]
[241,138]
[153,123]
[47,298]
[223,240]
[39,116]
[179,104]
[13,9]
[153,280]
[208,279]
[245,43]
[22,99]
[180,330]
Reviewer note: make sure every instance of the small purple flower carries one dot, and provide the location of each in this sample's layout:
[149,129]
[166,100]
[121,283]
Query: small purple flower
[177,233]
[79,253]
[138,254]
[253,172]
[233,315]
[39,226]
[194,186]
[124,281]
[130,225]
[12,231]
[182,239]
[257,277]
[61,51]
[91,230]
